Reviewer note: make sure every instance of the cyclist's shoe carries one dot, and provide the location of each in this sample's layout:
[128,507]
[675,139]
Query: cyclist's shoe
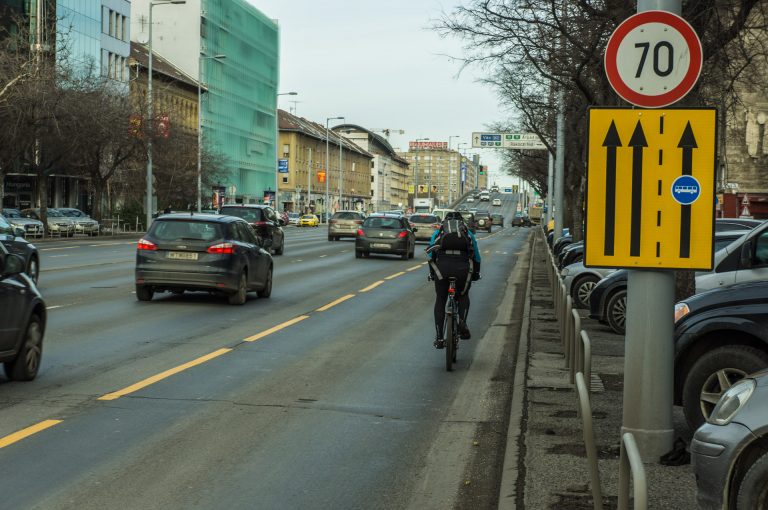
[439,343]
[464,333]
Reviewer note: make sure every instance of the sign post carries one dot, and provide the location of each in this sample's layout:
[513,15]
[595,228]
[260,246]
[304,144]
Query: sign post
[650,199]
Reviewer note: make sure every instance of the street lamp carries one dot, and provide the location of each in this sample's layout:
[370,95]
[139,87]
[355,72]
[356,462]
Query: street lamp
[327,162]
[461,161]
[218,58]
[150,115]
[288,94]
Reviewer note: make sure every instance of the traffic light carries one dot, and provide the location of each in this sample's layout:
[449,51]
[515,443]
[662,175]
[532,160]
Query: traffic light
[482,169]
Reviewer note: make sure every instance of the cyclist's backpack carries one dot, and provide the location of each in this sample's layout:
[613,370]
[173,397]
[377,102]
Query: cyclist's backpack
[453,237]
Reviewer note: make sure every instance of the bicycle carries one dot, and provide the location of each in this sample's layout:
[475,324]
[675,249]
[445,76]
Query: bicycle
[451,327]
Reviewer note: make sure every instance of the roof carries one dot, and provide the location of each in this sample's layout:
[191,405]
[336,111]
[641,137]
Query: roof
[292,123]
[140,54]
[380,140]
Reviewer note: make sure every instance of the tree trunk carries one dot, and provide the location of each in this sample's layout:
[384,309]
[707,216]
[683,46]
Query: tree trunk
[98,199]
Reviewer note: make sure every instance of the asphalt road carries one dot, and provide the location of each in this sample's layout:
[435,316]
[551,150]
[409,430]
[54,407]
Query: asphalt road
[327,395]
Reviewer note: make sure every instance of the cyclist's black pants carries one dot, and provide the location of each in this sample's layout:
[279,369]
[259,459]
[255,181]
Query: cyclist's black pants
[458,267]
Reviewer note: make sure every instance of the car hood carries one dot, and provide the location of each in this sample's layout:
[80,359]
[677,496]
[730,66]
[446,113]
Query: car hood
[24,221]
[740,293]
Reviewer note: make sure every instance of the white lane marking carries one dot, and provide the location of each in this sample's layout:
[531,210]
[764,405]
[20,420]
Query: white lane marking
[54,307]
[323,256]
[57,256]
[60,248]
[504,253]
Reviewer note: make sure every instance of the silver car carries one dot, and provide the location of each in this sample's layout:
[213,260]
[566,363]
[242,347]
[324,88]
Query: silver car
[84,224]
[730,451]
[58,224]
[344,224]
[579,281]
[31,227]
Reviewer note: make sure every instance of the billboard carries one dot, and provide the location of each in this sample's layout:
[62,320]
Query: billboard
[420,146]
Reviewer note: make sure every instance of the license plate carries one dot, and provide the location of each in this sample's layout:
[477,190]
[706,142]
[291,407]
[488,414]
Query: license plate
[379,245]
[182,255]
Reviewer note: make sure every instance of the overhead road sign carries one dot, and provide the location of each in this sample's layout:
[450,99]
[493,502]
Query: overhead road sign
[523,141]
[653,59]
[651,188]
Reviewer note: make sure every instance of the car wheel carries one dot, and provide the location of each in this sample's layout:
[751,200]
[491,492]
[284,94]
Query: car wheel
[144,292]
[33,268]
[406,255]
[266,291]
[25,365]
[279,251]
[582,288]
[616,312]
[753,490]
[330,238]
[241,294]
[713,373]
[358,254]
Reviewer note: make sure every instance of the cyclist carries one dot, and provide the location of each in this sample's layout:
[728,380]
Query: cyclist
[453,252]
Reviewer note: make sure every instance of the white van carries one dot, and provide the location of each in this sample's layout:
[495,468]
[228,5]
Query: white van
[440,213]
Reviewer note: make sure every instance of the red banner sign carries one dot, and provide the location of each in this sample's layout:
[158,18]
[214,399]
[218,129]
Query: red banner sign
[428,146]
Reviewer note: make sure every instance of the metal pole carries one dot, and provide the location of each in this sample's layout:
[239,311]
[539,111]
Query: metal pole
[341,173]
[327,170]
[199,135]
[649,352]
[550,187]
[150,123]
[309,179]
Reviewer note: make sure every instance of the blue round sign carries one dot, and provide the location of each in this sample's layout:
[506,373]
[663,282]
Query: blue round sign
[686,189]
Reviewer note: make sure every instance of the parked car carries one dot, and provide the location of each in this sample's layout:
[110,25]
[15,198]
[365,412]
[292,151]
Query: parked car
[579,281]
[309,220]
[32,227]
[84,224]
[496,202]
[57,223]
[385,233]
[16,244]
[561,243]
[721,336]
[202,252]
[573,252]
[729,453]
[293,218]
[730,224]
[424,225]
[483,221]
[743,259]
[264,222]
[344,224]
[498,219]
[608,301]
[22,319]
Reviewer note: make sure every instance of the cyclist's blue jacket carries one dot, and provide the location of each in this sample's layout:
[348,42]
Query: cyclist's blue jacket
[475,250]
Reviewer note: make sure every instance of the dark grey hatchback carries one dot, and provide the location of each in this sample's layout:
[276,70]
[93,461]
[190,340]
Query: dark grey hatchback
[202,252]
[385,233]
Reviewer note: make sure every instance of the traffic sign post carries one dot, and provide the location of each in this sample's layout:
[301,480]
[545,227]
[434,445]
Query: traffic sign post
[652,60]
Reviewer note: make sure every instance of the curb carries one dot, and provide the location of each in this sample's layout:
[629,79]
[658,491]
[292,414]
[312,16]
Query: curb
[508,489]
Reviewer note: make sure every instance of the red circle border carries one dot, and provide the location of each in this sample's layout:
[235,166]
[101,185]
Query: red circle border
[690,78]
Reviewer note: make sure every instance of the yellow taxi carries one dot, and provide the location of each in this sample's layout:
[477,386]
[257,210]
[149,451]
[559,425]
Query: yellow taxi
[309,220]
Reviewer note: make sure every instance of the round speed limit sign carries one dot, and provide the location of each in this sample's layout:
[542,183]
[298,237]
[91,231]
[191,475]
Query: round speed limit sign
[653,59]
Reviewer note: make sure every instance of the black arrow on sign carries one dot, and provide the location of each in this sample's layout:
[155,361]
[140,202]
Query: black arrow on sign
[612,141]
[638,143]
[687,143]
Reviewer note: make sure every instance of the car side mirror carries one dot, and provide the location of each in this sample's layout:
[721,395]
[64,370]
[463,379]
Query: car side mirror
[260,241]
[19,232]
[746,255]
[11,264]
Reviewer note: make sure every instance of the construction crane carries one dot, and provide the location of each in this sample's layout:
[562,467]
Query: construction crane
[388,131]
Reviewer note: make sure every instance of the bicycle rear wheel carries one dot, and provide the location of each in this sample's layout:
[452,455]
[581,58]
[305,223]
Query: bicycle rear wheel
[450,341]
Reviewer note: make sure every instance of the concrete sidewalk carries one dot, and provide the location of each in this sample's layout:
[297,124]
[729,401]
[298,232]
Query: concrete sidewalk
[551,469]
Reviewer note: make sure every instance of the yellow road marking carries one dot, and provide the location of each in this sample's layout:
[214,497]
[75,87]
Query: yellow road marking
[401,273]
[414,268]
[372,286]
[24,433]
[334,303]
[163,375]
[284,325]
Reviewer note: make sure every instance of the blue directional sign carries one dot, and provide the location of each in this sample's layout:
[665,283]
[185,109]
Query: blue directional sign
[507,190]
[282,166]
[490,138]
[686,189]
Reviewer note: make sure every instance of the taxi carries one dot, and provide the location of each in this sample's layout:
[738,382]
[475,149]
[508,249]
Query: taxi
[309,220]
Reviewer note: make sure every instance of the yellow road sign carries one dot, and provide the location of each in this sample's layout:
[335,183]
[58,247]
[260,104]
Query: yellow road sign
[650,188]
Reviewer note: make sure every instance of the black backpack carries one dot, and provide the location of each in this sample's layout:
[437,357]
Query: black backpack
[453,238]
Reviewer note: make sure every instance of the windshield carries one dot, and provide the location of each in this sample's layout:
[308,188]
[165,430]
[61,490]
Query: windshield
[54,213]
[424,219]
[10,213]
[346,216]
[388,223]
[186,230]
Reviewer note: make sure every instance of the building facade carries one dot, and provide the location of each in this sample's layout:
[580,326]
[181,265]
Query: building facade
[302,173]
[439,173]
[238,113]
[390,173]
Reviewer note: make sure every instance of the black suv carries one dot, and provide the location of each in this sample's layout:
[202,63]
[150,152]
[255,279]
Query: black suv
[720,336]
[484,221]
[22,319]
[265,222]
[14,241]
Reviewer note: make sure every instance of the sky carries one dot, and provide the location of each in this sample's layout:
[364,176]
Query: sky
[378,64]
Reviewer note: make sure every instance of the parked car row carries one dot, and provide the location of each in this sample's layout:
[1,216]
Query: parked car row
[61,221]
[721,359]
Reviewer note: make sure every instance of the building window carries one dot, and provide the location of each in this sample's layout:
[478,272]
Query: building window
[285,180]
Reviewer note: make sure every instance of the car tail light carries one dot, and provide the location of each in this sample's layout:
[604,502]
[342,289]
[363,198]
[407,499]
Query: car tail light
[360,232]
[435,226]
[146,245]
[259,223]
[222,249]
[402,234]
[332,222]
[359,222]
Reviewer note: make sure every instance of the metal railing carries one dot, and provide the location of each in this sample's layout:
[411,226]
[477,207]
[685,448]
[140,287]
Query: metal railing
[631,464]
[583,361]
[585,410]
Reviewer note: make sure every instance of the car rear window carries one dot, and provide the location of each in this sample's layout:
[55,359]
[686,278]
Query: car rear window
[249,214]
[424,219]
[186,230]
[346,216]
[382,223]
